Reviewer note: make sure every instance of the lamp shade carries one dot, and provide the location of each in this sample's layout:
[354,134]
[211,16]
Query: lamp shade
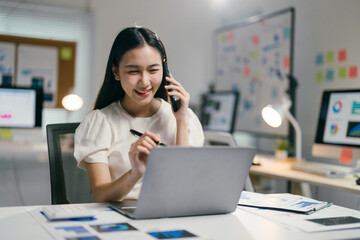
[72,102]
[273,116]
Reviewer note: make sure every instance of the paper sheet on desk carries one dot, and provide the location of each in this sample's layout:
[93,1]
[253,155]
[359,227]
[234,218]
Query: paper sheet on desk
[304,222]
[285,202]
[109,224]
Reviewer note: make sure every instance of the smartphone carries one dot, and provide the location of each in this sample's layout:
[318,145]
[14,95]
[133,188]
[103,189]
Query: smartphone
[175,101]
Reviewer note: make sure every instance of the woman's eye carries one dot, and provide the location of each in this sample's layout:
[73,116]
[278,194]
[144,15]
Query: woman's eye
[133,72]
[154,70]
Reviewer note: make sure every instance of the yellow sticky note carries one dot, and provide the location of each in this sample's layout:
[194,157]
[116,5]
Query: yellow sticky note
[255,55]
[342,72]
[5,133]
[330,57]
[319,76]
[66,53]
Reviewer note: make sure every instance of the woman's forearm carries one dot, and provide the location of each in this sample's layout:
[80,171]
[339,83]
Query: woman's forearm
[105,190]
[182,133]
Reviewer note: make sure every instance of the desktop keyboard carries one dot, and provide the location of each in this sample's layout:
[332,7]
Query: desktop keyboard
[327,170]
[68,211]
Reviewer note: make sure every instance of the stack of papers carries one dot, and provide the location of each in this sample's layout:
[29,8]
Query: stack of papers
[283,201]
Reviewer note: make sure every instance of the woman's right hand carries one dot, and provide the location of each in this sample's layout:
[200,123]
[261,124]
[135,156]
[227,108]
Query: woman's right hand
[139,152]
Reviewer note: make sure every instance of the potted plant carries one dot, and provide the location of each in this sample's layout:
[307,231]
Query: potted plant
[282,149]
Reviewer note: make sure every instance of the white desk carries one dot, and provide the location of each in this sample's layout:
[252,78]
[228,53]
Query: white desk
[18,223]
[282,169]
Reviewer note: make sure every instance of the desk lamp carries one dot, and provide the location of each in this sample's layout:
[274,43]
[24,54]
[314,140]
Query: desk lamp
[273,115]
[72,102]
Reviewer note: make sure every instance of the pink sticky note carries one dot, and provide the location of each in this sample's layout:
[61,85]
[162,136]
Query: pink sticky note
[246,71]
[255,39]
[346,155]
[286,62]
[353,72]
[230,36]
[342,55]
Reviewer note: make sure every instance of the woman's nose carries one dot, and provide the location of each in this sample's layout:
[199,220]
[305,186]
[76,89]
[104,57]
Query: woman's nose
[144,79]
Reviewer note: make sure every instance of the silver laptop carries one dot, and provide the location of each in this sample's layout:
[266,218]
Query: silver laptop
[187,181]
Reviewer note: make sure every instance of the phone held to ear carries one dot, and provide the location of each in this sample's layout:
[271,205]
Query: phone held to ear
[175,101]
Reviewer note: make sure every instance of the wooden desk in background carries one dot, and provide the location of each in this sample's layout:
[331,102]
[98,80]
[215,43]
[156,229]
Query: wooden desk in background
[281,169]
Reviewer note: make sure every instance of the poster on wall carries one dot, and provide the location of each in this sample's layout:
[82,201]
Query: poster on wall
[38,66]
[7,63]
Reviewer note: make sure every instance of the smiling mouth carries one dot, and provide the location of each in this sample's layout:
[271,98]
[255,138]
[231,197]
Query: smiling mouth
[143,93]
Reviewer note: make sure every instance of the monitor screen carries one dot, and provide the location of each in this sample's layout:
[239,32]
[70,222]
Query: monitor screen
[339,123]
[219,111]
[20,107]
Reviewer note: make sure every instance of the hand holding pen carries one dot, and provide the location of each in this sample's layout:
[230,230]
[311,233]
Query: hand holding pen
[138,134]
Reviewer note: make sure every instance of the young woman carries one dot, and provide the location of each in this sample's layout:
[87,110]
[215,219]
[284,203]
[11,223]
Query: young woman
[134,95]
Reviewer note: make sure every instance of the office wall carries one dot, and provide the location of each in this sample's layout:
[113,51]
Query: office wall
[184,26]
[321,26]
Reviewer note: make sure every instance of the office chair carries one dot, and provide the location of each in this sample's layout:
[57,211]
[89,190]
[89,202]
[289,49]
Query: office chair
[225,139]
[69,184]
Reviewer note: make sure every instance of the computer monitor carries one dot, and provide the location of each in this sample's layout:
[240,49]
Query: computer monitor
[20,107]
[219,111]
[339,124]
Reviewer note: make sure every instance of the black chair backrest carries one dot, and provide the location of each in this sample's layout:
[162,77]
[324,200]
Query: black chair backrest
[69,184]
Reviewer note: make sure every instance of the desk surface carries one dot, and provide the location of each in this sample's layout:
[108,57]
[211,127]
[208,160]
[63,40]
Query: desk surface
[20,223]
[281,169]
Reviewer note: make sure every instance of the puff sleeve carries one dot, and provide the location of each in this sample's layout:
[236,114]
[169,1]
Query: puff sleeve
[196,134]
[92,139]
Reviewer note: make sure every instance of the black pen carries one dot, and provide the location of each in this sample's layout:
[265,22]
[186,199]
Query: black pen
[136,133]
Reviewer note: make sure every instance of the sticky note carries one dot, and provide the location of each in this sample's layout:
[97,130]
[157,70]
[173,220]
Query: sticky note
[286,33]
[329,75]
[66,53]
[330,57]
[353,72]
[346,155]
[255,39]
[230,36]
[221,38]
[342,55]
[275,92]
[255,55]
[246,71]
[342,73]
[286,62]
[319,59]
[5,133]
[319,76]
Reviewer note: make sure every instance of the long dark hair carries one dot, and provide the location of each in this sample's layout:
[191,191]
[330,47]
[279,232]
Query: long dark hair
[129,38]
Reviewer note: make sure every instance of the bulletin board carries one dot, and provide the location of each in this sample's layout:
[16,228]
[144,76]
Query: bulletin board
[255,57]
[52,61]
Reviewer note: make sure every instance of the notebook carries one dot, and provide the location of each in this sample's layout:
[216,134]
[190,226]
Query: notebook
[188,181]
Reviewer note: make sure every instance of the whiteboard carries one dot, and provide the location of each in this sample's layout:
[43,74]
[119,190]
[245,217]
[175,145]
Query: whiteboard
[7,59]
[39,61]
[255,58]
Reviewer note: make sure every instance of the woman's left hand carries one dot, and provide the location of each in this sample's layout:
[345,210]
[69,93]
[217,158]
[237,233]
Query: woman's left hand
[181,93]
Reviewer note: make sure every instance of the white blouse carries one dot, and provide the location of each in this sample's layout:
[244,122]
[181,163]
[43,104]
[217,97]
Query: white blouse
[104,137]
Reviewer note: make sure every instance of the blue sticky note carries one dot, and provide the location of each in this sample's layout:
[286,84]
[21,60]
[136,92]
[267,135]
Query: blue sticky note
[329,75]
[286,33]
[319,59]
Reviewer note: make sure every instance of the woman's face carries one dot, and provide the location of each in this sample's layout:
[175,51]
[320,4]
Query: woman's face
[140,73]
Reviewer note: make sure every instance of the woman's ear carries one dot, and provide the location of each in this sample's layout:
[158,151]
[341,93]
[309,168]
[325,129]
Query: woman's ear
[115,71]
